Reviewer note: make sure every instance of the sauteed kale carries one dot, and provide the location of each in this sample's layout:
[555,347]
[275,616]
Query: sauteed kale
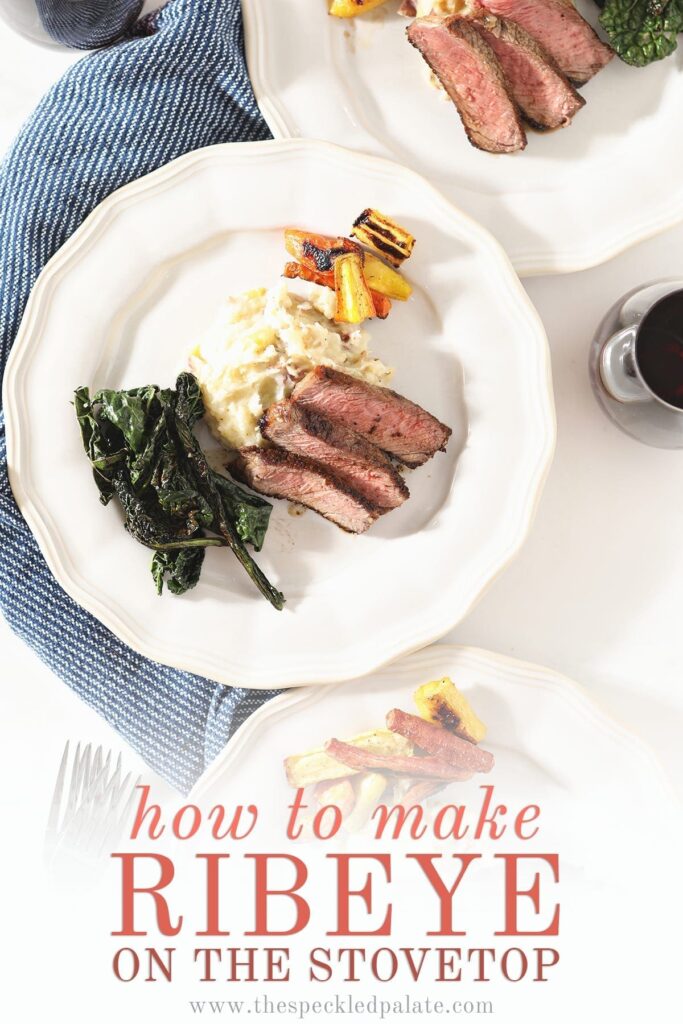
[143,451]
[642,31]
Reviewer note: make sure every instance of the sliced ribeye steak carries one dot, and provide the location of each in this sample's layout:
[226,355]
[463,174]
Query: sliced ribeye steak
[562,32]
[279,474]
[351,457]
[389,420]
[542,92]
[471,74]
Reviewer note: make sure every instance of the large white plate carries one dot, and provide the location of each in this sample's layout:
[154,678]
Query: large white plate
[571,200]
[607,810]
[119,305]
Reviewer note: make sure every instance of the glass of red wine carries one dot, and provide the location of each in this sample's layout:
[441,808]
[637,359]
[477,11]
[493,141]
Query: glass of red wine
[636,364]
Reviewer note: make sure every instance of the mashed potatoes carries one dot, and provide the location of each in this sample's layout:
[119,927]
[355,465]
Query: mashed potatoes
[442,7]
[261,343]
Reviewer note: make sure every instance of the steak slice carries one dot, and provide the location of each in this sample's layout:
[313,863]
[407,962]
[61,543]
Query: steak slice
[280,474]
[545,96]
[352,458]
[559,28]
[390,421]
[471,74]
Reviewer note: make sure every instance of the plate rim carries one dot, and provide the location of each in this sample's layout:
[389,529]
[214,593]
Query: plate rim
[38,307]
[540,676]
[282,126]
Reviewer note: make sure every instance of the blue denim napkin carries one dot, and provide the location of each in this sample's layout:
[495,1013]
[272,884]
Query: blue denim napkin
[87,24]
[178,82]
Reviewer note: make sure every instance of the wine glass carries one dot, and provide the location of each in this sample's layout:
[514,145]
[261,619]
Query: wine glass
[83,24]
[636,363]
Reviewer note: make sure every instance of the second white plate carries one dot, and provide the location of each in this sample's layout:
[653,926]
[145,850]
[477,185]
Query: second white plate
[606,810]
[571,200]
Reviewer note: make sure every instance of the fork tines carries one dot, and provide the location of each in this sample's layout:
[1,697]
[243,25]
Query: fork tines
[88,814]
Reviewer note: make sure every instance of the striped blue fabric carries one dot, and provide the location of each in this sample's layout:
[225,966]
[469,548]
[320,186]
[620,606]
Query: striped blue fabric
[87,24]
[114,116]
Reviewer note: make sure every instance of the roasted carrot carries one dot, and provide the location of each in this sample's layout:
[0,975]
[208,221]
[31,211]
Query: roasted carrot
[317,252]
[326,278]
[322,277]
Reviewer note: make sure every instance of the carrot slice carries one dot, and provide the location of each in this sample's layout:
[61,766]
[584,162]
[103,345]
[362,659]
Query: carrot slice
[292,271]
[354,301]
[317,252]
[325,278]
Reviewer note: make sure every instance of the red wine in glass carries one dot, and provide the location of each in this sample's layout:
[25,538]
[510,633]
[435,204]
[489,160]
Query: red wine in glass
[659,349]
[636,363]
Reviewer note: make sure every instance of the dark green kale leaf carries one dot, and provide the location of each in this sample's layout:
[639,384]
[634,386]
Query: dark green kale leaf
[142,449]
[223,522]
[170,567]
[643,31]
[179,569]
[189,401]
[132,412]
[249,513]
[103,445]
[179,564]
[146,520]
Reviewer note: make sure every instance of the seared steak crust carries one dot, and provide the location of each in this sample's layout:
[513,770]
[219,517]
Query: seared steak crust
[471,74]
[545,96]
[562,32]
[352,458]
[279,474]
[387,419]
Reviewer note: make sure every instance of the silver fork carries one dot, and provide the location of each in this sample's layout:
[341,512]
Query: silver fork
[89,813]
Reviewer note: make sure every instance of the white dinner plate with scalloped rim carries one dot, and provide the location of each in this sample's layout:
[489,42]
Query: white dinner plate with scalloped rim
[121,303]
[573,199]
[607,810]
[536,720]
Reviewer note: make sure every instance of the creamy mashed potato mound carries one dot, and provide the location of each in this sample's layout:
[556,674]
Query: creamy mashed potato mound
[442,7]
[261,343]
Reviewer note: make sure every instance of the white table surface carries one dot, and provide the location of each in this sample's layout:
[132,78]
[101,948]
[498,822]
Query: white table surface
[596,592]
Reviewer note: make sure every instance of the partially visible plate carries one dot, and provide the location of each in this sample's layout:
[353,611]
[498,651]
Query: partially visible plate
[607,811]
[121,303]
[540,725]
[571,200]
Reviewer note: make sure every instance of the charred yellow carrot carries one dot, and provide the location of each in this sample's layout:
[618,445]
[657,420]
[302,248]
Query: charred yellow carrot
[384,236]
[352,8]
[384,279]
[337,793]
[442,703]
[354,301]
[296,270]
